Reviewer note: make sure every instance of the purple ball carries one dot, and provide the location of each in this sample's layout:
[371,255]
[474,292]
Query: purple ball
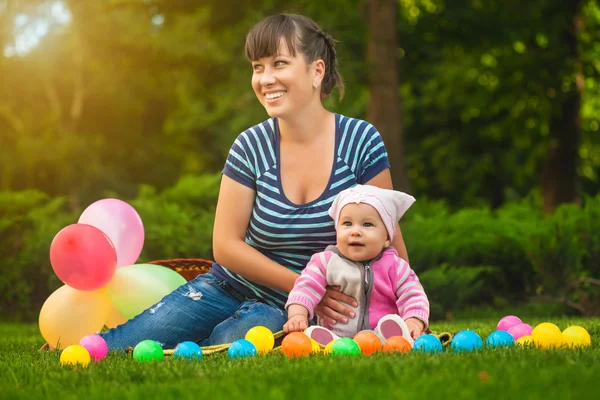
[95,345]
[519,330]
[507,322]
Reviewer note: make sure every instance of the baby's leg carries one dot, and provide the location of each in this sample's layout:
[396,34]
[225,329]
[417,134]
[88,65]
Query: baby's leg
[393,325]
[320,334]
[190,312]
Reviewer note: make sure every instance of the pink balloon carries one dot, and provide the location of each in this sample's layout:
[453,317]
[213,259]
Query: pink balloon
[520,330]
[95,345]
[121,223]
[83,257]
[508,321]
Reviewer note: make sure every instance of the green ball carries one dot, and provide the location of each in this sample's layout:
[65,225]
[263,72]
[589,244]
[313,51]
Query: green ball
[148,350]
[345,347]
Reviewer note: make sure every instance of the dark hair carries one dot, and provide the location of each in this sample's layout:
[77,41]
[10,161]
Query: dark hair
[301,35]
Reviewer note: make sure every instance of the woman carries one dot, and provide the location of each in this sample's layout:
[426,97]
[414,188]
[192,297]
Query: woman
[279,180]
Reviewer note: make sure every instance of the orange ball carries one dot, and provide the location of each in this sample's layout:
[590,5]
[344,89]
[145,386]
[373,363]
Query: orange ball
[296,344]
[397,343]
[368,342]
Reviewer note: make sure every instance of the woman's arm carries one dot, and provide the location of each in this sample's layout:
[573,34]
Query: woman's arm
[384,181]
[234,208]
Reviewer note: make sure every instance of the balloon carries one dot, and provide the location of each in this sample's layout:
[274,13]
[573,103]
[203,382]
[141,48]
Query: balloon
[121,223]
[114,317]
[136,287]
[83,257]
[69,314]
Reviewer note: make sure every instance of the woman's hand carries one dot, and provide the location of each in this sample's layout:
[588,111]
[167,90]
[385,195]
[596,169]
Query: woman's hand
[332,307]
[415,326]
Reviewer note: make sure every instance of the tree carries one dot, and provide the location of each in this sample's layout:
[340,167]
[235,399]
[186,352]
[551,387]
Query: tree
[384,106]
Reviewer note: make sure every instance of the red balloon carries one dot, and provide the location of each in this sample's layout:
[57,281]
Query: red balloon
[83,257]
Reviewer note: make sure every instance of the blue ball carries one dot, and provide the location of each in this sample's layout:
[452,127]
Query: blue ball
[466,340]
[428,344]
[242,348]
[500,339]
[189,350]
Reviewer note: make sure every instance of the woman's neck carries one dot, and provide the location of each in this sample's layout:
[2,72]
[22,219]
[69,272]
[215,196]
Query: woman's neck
[304,128]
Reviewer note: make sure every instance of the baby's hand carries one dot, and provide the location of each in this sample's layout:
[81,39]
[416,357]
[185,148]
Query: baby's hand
[415,326]
[296,323]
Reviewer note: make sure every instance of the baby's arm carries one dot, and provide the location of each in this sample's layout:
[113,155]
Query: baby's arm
[308,291]
[411,300]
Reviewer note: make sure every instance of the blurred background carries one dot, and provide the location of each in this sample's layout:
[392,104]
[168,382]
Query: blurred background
[490,110]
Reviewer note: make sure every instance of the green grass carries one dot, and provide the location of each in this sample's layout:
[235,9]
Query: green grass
[513,373]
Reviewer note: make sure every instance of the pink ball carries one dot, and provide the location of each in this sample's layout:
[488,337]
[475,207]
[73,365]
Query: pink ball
[95,345]
[519,330]
[507,322]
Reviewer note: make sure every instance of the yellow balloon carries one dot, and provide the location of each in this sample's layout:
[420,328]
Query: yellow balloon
[262,338]
[69,314]
[525,341]
[316,347]
[75,354]
[576,336]
[114,317]
[547,335]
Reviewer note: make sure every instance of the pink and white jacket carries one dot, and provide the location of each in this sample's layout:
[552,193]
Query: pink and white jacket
[382,286]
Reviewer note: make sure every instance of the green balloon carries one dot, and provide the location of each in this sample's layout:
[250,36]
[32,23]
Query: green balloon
[345,347]
[148,350]
[135,288]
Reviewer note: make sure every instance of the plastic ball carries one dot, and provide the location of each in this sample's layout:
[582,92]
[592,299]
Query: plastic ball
[262,338]
[576,336]
[316,347]
[500,339]
[520,330]
[96,346]
[466,340]
[345,347]
[397,344]
[547,335]
[188,350]
[368,341]
[296,344]
[242,348]
[507,322]
[428,344]
[148,350]
[525,341]
[75,354]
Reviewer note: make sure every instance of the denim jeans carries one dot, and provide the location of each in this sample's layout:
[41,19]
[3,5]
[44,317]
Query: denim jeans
[205,310]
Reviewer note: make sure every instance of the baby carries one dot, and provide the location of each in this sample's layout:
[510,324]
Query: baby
[362,264]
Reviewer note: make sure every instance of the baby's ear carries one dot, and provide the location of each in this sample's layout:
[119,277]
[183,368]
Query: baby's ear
[388,242]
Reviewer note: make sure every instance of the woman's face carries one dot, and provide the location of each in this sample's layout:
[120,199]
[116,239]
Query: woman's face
[284,84]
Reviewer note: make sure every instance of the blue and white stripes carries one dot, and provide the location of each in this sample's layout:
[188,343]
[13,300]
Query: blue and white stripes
[289,233]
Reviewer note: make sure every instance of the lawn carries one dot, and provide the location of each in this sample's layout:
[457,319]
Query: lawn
[512,373]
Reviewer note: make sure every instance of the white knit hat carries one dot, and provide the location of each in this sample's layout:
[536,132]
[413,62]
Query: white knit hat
[390,204]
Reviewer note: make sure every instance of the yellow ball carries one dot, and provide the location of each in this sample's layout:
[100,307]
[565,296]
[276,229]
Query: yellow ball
[576,336]
[75,354]
[328,347]
[547,335]
[262,338]
[316,347]
[525,341]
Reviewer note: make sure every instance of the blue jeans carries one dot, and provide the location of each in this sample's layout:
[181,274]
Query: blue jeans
[205,310]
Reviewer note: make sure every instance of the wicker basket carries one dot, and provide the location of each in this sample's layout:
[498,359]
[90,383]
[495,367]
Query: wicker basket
[189,268]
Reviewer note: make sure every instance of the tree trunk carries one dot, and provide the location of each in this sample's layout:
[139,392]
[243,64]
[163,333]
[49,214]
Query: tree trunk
[560,180]
[384,106]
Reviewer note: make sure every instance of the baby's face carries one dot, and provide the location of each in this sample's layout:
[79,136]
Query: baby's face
[361,234]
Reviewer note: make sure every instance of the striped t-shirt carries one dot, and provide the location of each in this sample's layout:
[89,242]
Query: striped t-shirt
[289,233]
